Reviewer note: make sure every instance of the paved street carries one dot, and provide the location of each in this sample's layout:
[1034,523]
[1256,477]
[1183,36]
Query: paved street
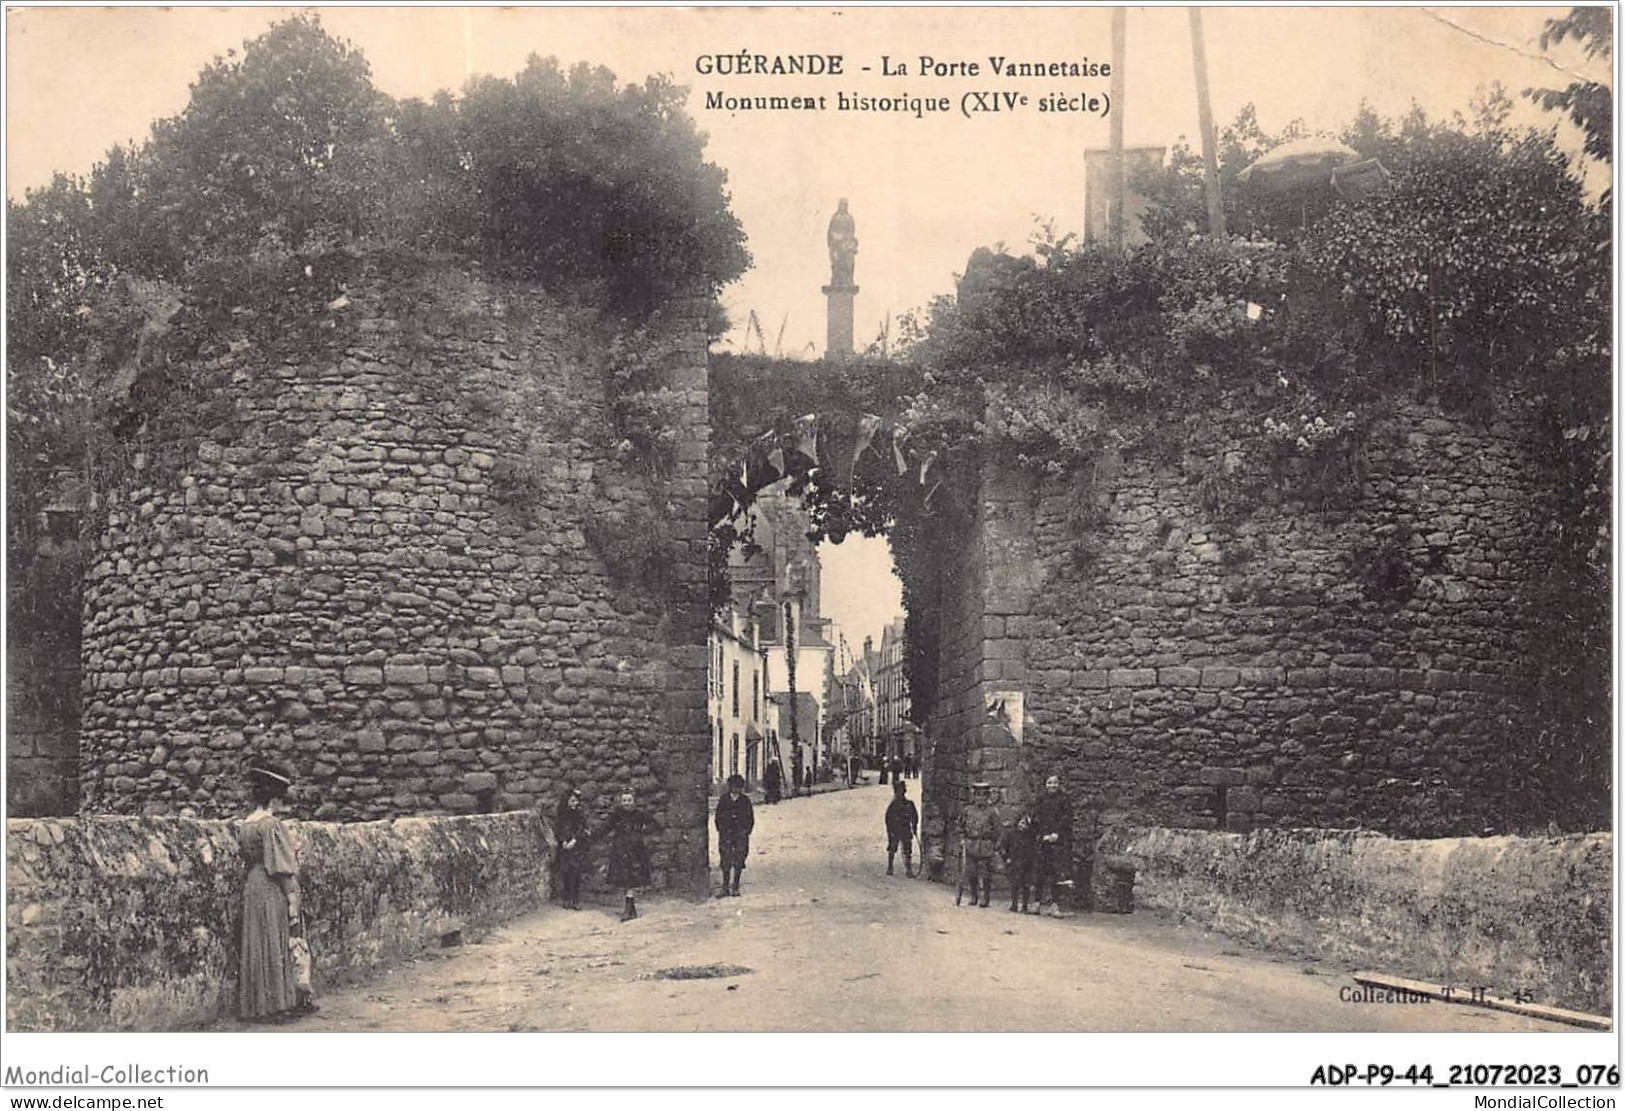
[823,939]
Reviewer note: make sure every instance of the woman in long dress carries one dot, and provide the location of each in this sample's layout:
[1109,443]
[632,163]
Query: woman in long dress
[266,982]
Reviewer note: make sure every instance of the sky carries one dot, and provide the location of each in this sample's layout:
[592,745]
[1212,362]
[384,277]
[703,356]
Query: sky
[924,192]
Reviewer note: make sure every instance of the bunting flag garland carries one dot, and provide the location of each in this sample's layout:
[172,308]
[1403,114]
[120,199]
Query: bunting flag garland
[772,457]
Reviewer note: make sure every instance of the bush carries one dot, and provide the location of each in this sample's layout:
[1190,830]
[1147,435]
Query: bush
[288,150]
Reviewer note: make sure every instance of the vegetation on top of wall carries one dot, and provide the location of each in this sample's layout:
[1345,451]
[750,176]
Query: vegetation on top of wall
[1484,267]
[287,158]
[286,168]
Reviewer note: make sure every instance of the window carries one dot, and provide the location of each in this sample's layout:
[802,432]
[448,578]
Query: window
[736,690]
[755,697]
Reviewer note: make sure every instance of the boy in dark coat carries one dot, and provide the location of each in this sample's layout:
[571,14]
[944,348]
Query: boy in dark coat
[571,832]
[1052,831]
[902,822]
[1021,861]
[735,819]
[629,869]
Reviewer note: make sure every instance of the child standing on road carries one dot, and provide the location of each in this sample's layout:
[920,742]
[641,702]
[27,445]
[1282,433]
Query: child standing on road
[980,828]
[902,822]
[735,819]
[572,834]
[1020,851]
[629,851]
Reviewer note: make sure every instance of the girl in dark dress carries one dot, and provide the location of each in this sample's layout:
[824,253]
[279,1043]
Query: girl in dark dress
[572,833]
[629,851]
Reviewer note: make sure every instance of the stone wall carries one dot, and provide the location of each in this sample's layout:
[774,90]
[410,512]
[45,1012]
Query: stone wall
[42,730]
[42,682]
[1277,658]
[957,575]
[1507,914]
[133,923]
[396,541]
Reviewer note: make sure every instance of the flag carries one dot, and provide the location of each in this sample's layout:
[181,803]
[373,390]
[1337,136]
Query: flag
[764,469]
[721,505]
[925,466]
[897,450]
[807,436]
[868,425]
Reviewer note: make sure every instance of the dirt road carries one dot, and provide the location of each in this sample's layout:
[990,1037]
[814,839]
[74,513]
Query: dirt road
[823,940]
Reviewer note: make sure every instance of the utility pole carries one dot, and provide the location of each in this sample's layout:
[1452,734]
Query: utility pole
[791,617]
[1119,168]
[1210,139]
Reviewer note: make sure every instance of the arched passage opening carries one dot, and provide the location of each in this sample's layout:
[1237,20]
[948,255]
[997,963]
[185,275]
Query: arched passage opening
[805,454]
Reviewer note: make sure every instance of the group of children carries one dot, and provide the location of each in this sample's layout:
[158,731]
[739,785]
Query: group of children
[627,829]
[1036,849]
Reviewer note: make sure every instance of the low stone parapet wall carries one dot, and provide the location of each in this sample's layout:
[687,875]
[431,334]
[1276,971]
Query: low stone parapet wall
[1510,914]
[120,923]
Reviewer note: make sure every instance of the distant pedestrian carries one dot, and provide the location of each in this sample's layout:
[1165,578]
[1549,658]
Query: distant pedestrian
[808,781]
[629,868]
[980,827]
[902,823]
[1020,853]
[772,782]
[1052,830]
[735,819]
[268,985]
[896,768]
[795,771]
[571,832]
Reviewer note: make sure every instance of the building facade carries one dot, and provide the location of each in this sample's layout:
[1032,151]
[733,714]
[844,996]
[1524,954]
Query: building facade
[737,698]
[778,585]
[891,694]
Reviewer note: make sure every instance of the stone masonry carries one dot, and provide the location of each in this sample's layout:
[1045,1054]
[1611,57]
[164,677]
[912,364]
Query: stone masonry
[1365,661]
[124,923]
[372,560]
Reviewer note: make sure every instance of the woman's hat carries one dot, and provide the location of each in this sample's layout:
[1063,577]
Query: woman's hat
[736,781]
